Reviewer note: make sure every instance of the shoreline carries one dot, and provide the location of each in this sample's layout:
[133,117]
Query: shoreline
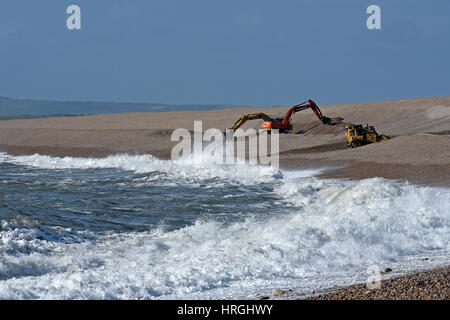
[420,175]
[433,175]
[428,284]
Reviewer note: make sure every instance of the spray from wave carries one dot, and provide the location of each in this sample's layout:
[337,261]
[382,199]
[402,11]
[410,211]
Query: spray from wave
[189,169]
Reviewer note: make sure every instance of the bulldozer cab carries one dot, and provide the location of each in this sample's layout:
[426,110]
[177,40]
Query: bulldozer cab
[356,135]
[359,130]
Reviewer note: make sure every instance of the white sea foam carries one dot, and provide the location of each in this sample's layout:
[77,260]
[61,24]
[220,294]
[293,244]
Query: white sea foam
[338,228]
[183,169]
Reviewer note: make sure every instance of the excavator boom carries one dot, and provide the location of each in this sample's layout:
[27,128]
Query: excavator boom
[250,116]
[285,125]
[302,106]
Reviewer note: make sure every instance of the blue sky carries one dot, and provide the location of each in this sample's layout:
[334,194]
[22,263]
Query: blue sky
[244,52]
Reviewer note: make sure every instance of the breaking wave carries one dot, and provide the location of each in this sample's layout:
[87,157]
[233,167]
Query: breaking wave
[331,229]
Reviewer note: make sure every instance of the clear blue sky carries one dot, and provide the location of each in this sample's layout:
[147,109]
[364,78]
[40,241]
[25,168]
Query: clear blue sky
[245,52]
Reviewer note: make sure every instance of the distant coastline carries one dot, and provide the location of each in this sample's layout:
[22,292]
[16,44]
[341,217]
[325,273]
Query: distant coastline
[12,108]
[27,116]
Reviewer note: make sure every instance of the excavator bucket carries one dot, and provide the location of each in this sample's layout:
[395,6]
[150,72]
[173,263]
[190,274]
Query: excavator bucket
[325,120]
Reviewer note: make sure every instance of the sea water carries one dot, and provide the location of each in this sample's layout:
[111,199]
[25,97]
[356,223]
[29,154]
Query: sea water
[136,227]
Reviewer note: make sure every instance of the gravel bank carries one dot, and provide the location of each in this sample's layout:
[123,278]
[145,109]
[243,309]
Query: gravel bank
[424,285]
[419,151]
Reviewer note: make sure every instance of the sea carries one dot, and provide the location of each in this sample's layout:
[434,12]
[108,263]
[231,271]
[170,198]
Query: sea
[137,227]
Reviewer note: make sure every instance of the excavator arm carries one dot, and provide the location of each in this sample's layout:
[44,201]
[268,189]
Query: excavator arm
[250,116]
[302,106]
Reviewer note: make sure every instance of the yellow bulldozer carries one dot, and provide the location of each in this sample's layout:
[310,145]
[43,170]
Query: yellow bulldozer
[357,135]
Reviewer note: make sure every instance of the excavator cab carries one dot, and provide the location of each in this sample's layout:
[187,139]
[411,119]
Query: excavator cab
[277,124]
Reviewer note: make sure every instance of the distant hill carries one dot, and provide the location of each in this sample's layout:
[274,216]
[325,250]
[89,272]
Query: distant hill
[27,108]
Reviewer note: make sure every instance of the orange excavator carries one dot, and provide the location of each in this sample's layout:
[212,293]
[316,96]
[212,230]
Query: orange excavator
[285,125]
